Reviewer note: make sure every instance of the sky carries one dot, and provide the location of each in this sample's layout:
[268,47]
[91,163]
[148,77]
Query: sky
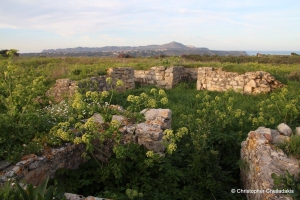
[33,25]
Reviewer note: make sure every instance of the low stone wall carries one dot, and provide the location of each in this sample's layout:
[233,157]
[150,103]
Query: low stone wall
[67,88]
[165,77]
[35,169]
[261,158]
[248,83]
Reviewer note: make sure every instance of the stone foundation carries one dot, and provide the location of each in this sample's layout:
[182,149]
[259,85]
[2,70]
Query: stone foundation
[207,79]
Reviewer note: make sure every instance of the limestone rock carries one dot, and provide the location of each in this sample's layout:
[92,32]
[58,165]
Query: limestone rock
[266,132]
[149,132]
[35,169]
[70,196]
[121,119]
[279,139]
[261,159]
[284,129]
[98,118]
[160,117]
[274,133]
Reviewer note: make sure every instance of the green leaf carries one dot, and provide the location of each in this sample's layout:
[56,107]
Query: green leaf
[273,175]
[277,181]
[42,188]
[31,192]
[49,193]
[23,192]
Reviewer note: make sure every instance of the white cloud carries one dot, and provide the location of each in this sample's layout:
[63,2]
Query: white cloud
[2,25]
[134,22]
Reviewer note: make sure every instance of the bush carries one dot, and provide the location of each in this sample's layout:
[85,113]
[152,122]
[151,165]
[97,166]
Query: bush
[294,75]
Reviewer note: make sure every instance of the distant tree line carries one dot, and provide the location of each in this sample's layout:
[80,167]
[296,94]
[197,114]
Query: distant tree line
[5,54]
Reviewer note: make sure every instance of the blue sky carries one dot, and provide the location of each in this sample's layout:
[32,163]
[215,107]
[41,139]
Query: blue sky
[34,25]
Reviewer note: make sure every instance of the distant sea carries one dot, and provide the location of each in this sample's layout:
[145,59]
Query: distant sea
[251,53]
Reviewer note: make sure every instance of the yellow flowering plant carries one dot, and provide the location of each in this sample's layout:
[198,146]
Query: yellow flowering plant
[155,99]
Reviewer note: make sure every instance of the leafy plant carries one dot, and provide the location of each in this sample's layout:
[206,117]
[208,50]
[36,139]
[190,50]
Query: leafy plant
[41,192]
[9,191]
[287,181]
[280,107]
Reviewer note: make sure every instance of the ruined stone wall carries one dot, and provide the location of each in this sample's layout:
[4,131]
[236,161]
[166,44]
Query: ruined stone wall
[67,88]
[63,88]
[207,79]
[261,158]
[35,169]
[248,83]
[165,77]
[125,74]
[95,83]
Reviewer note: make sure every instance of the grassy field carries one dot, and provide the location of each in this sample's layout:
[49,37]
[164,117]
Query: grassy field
[205,164]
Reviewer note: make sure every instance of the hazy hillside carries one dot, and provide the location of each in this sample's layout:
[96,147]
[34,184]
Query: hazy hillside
[172,48]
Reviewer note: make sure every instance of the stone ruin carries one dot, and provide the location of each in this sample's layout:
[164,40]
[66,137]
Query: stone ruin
[66,88]
[165,77]
[248,83]
[207,79]
[35,169]
[261,158]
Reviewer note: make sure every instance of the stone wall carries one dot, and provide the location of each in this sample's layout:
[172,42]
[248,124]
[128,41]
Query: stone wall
[261,158]
[65,88]
[35,169]
[125,74]
[207,79]
[165,77]
[248,83]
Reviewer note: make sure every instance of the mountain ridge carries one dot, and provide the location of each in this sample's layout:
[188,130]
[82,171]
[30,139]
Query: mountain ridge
[172,48]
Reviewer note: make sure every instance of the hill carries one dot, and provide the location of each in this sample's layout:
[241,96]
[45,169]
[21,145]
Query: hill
[172,48]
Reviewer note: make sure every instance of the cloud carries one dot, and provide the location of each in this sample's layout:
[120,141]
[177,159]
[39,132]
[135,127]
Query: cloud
[134,22]
[7,26]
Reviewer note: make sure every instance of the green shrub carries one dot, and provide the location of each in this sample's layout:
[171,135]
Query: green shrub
[294,75]
[287,182]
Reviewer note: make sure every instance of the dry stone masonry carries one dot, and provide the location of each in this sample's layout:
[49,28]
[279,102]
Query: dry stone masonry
[261,158]
[165,77]
[125,74]
[207,79]
[248,83]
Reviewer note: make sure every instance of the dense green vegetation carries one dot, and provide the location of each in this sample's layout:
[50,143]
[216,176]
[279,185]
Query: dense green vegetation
[202,152]
[264,59]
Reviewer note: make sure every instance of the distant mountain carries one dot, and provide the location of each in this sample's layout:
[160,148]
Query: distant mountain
[172,48]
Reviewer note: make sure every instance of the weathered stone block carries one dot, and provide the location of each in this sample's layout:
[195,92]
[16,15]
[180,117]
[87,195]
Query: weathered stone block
[284,129]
